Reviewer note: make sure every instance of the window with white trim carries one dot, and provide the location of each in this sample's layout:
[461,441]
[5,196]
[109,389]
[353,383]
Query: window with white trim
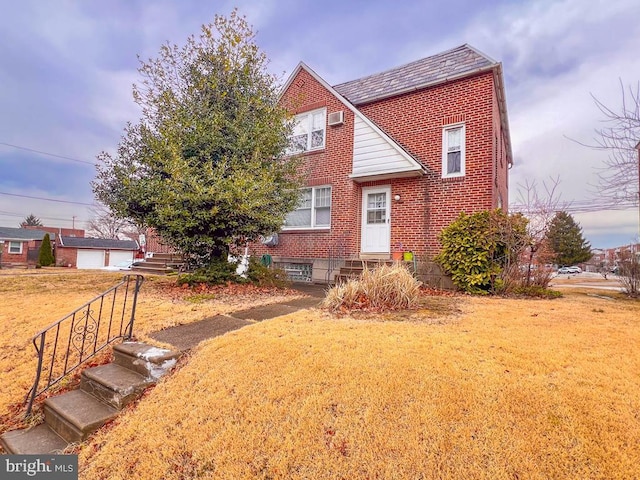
[309,131]
[314,209]
[453,151]
[15,247]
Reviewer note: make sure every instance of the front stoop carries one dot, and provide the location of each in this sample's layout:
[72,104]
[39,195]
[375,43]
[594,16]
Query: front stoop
[104,390]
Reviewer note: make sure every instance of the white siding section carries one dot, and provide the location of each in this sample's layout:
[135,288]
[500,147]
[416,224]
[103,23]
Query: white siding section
[375,155]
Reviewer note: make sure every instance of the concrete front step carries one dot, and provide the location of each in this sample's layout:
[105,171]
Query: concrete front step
[151,362]
[31,441]
[76,414]
[104,390]
[113,384]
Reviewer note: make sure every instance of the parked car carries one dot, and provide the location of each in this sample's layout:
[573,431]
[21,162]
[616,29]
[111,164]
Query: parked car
[569,270]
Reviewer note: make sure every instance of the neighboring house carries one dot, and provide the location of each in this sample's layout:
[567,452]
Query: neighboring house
[393,158]
[21,246]
[83,252]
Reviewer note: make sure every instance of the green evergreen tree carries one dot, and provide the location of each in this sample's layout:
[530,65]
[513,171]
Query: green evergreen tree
[31,221]
[45,256]
[206,165]
[566,241]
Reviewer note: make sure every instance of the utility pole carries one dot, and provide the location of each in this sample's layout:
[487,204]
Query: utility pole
[73,222]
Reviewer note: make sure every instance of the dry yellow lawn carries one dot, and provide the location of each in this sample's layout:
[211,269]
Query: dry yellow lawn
[32,299]
[499,389]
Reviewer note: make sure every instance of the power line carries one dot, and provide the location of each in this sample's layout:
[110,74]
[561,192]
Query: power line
[23,215]
[48,199]
[47,153]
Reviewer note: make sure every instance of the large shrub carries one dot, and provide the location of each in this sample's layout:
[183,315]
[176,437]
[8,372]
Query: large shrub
[477,248]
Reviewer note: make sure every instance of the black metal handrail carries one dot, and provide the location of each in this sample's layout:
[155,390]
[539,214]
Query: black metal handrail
[336,255]
[66,344]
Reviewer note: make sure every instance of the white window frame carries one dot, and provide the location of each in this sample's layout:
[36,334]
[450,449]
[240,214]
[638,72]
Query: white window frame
[314,207]
[306,119]
[445,150]
[11,245]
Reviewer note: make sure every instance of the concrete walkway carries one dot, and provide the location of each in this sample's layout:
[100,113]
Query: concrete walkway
[185,337]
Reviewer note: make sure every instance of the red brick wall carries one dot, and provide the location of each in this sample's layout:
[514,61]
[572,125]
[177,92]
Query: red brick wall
[415,121]
[16,258]
[330,166]
[66,256]
[65,232]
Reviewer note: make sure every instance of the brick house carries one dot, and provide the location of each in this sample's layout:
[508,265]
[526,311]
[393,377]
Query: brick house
[392,158]
[21,246]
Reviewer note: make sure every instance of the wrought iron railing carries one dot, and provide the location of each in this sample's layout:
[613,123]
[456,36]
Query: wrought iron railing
[66,344]
[337,254]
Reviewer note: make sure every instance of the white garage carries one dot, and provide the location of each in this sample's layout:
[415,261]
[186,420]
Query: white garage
[118,256]
[90,259]
[86,252]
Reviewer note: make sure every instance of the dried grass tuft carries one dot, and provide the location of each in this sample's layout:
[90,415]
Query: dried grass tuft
[386,287]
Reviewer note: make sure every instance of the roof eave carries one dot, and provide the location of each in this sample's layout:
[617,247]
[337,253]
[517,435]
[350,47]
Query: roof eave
[502,106]
[370,177]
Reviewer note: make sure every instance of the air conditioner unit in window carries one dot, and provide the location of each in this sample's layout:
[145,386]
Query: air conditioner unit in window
[270,240]
[336,118]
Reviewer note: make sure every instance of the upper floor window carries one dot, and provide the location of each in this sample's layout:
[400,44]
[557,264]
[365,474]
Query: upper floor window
[453,151]
[314,209]
[309,131]
[15,247]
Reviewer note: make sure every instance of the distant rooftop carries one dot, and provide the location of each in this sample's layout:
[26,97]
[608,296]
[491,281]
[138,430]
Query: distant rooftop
[10,233]
[454,63]
[102,243]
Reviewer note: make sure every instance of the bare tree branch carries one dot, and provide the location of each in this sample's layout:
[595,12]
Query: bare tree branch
[104,224]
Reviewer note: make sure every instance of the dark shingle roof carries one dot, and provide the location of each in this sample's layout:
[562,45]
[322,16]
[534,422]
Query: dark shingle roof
[455,63]
[9,233]
[85,242]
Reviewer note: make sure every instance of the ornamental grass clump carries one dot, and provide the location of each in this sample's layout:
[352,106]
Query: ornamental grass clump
[387,287]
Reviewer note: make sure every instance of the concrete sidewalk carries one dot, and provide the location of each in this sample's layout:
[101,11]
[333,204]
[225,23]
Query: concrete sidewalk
[185,337]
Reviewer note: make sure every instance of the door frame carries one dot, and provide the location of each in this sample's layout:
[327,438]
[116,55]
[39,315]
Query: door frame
[363,216]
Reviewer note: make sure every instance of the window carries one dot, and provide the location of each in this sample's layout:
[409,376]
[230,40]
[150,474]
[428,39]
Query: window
[314,209]
[453,151]
[15,247]
[309,131]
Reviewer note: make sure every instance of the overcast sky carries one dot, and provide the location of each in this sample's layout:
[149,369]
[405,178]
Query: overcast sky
[67,67]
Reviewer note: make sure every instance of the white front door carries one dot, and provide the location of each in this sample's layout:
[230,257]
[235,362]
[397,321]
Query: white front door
[376,220]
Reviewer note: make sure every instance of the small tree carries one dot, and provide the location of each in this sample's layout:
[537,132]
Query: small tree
[629,272]
[566,241]
[477,248]
[206,165]
[31,221]
[45,255]
[105,224]
[539,205]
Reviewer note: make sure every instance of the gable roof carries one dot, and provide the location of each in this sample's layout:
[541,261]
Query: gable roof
[414,165]
[454,64]
[444,67]
[100,243]
[23,234]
